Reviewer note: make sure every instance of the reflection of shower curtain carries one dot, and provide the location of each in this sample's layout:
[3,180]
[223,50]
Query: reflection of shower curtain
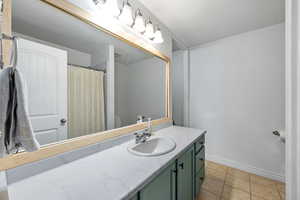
[85,101]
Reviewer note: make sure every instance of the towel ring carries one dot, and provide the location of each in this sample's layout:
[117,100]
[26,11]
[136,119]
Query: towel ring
[14,50]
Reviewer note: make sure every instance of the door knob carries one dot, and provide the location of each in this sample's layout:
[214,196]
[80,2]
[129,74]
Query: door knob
[63,121]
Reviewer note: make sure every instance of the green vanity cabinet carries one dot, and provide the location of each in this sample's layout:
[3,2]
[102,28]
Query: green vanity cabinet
[182,180]
[185,175]
[163,187]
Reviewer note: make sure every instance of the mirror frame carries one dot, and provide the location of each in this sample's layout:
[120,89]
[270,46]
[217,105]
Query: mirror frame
[54,149]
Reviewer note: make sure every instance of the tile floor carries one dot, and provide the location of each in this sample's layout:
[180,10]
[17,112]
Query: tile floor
[226,183]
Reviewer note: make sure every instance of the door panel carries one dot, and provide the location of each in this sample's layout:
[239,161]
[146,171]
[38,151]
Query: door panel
[44,70]
[46,137]
[185,176]
[162,187]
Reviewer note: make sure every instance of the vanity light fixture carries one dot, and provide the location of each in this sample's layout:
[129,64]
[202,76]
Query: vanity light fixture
[126,14]
[149,33]
[99,3]
[112,7]
[158,38]
[139,22]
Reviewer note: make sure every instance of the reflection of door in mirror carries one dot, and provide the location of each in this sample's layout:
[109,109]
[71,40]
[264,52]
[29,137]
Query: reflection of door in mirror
[60,106]
[45,70]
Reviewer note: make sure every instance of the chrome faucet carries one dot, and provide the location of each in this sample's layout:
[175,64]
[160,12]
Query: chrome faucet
[143,135]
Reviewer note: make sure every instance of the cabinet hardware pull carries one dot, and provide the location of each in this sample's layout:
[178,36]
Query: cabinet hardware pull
[181,165]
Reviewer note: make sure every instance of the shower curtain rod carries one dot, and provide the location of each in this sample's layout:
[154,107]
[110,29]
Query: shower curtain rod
[91,68]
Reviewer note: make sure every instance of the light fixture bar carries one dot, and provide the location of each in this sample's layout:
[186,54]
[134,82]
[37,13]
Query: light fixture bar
[125,16]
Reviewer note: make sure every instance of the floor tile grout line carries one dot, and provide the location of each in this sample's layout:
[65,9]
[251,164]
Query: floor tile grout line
[224,181]
[278,191]
[217,195]
[250,186]
[241,179]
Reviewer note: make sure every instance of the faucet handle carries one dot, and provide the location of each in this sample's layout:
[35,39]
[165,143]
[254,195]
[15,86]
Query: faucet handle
[137,134]
[140,118]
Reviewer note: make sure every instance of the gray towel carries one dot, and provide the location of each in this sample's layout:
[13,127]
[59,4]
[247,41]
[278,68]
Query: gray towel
[15,127]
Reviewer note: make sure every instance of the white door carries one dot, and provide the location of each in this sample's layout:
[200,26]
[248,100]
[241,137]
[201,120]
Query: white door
[44,70]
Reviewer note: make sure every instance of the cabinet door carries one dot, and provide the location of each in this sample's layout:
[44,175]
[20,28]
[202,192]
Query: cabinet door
[161,188]
[185,176]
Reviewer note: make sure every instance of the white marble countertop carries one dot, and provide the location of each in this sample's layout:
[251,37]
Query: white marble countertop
[112,174]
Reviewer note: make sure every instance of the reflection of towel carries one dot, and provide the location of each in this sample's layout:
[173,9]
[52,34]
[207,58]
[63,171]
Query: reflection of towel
[15,127]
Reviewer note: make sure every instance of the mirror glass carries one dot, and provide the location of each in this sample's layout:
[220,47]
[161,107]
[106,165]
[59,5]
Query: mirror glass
[79,79]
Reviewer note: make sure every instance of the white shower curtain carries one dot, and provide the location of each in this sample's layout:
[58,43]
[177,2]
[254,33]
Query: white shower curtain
[85,101]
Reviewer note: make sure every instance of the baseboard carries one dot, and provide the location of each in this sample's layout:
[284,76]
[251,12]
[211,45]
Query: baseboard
[247,168]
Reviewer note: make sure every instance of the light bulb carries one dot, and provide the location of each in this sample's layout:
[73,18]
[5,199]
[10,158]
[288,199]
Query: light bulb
[149,33]
[112,7]
[99,3]
[158,38]
[139,23]
[126,15]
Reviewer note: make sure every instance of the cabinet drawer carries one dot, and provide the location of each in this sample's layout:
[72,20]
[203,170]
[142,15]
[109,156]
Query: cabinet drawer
[200,143]
[200,160]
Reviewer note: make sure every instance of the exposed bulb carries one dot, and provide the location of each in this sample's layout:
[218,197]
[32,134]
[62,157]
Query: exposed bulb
[158,38]
[139,23]
[112,7]
[126,15]
[99,3]
[149,33]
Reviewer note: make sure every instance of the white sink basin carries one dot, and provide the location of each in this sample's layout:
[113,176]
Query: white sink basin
[155,146]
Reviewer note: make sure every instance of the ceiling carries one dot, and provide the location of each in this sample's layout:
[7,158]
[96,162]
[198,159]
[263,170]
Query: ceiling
[196,22]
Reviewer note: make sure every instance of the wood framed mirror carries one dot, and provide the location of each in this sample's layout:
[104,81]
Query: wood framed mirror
[95,78]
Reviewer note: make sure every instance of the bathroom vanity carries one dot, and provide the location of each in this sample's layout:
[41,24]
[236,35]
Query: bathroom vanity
[182,178]
[114,173]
